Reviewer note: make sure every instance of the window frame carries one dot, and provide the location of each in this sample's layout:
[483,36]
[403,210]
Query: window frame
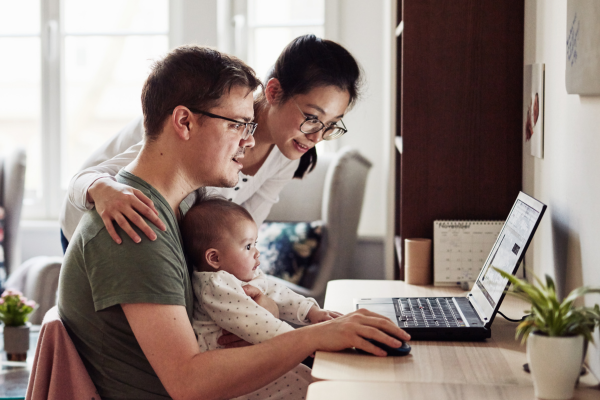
[46,203]
[236,36]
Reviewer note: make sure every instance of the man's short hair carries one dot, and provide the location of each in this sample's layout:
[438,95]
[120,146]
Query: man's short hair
[205,224]
[191,76]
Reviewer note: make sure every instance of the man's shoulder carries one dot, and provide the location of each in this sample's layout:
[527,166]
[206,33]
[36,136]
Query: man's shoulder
[89,227]
[96,248]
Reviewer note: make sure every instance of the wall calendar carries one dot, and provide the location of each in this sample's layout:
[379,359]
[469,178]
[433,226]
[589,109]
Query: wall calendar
[460,249]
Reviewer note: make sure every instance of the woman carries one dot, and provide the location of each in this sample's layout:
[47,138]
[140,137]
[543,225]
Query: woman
[312,85]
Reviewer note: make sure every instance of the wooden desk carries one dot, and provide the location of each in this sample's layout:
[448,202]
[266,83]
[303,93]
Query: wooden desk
[327,390]
[497,361]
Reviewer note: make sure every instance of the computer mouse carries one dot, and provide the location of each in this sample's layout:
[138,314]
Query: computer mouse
[391,351]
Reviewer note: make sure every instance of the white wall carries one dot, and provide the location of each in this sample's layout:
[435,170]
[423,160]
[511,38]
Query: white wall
[364,29]
[193,22]
[567,179]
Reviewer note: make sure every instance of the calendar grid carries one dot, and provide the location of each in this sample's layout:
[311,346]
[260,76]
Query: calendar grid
[460,249]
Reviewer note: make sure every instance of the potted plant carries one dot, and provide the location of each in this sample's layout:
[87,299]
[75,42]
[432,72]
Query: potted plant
[555,333]
[14,312]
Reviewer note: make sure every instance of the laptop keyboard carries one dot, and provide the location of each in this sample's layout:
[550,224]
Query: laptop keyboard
[429,312]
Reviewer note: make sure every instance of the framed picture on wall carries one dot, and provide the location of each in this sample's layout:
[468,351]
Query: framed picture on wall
[533,108]
[582,73]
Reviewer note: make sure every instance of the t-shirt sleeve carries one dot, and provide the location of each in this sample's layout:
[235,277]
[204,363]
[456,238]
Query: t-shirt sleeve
[145,272]
[224,300]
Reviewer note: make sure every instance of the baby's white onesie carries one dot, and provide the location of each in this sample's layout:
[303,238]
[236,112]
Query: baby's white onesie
[221,303]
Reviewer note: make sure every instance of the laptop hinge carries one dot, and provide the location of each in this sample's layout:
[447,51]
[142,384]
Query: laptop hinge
[478,310]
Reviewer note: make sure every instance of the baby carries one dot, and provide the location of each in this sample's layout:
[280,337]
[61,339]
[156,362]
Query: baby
[220,241]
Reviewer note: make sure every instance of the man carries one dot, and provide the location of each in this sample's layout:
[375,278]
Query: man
[128,306]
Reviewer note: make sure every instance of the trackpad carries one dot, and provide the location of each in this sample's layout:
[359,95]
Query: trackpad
[383,309]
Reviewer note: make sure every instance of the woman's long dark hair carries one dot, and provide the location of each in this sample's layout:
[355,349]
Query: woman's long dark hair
[309,62]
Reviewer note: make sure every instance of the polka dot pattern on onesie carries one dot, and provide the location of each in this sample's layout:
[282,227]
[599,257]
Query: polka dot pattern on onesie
[215,292]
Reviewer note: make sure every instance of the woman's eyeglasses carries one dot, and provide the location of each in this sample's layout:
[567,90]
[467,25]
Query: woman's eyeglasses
[249,127]
[313,125]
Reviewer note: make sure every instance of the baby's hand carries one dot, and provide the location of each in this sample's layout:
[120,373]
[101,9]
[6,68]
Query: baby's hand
[316,315]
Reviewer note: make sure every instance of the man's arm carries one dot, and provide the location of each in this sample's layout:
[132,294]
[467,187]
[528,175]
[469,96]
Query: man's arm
[168,341]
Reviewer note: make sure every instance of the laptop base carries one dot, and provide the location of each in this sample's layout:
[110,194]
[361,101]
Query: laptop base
[449,334]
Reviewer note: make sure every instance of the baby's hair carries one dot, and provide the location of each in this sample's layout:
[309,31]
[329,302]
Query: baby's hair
[205,224]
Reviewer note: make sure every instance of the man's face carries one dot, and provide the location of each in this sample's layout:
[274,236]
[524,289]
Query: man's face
[219,142]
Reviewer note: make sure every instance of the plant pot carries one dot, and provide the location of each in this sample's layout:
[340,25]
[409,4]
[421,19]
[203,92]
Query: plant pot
[16,342]
[555,364]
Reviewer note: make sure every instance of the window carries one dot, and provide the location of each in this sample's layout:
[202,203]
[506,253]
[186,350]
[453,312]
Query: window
[72,78]
[272,24]
[20,83]
[262,29]
[72,70]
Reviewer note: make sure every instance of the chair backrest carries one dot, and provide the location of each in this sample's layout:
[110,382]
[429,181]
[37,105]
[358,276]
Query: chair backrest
[12,187]
[37,278]
[302,199]
[333,192]
[58,372]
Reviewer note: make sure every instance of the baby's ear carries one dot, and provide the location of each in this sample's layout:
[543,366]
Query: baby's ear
[212,258]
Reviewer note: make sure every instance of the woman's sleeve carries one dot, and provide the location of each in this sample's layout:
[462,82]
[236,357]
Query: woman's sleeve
[227,304]
[106,161]
[260,203]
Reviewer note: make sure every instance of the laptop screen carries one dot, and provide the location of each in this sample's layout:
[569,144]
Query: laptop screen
[507,253]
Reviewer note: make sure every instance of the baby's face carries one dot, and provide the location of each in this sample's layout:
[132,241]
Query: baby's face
[238,252]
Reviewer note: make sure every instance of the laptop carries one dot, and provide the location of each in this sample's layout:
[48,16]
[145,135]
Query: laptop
[468,318]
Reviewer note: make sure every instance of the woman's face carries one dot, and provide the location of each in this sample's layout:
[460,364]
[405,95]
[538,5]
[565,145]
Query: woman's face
[326,103]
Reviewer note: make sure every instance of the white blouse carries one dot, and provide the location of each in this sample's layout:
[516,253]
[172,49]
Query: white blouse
[256,193]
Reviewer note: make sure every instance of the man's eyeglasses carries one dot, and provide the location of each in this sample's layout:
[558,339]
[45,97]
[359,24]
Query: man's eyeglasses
[249,127]
[313,125]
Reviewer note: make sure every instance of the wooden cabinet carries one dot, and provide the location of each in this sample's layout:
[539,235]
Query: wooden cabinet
[459,111]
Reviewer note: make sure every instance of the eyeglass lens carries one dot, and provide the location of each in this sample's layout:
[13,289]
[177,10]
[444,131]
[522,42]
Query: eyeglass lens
[248,131]
[314,125]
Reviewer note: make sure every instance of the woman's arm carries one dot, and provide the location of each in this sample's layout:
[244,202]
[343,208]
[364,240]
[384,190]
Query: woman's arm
[106,161]
[82,181]
[96,186]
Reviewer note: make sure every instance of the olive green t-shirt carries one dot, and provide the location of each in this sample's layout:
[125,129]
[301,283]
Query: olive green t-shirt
[98,275]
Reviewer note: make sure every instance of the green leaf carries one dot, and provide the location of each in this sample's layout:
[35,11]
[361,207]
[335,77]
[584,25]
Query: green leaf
[548,314]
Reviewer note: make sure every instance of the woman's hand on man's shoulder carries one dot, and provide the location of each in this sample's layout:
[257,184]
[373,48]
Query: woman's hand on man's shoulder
[115,201]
